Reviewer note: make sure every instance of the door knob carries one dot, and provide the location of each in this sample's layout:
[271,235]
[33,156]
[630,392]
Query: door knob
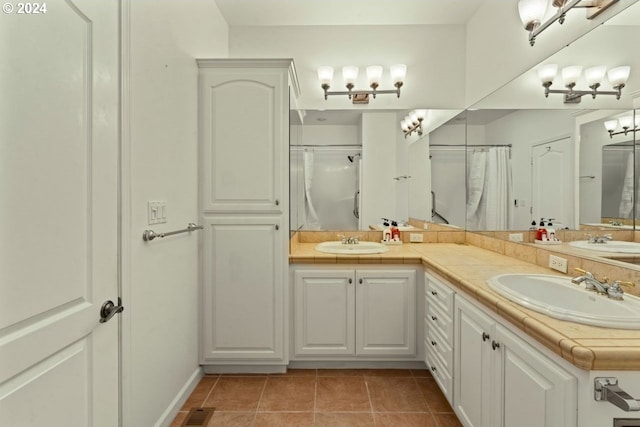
[109,309]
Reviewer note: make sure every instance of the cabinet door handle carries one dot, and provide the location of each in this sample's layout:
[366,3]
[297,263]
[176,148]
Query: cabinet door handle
[277,202]
[350,280]
[277,227]
[360,281]
[433,343]
[434,318]
[495,345]
[433,368]
[485,336]
[434,293]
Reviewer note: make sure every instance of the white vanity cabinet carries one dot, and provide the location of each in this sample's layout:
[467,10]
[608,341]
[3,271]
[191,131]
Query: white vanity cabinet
[244,195]
[354,312]
[501,381]
[438,332]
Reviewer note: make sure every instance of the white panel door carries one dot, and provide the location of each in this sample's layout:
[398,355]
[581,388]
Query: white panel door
[243,289]
[552,181]
[324,312]
[386,312]
[58,213]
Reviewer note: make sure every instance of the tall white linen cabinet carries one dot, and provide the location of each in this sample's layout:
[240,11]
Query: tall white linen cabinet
[244,206]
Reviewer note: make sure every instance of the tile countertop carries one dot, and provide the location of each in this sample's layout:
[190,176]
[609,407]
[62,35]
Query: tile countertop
[469,267]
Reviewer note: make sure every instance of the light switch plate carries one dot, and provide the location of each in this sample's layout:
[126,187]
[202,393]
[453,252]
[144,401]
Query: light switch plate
[156,212]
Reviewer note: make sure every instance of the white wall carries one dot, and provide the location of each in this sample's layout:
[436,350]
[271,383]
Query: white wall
[434,55]
[325,135]
[160,284]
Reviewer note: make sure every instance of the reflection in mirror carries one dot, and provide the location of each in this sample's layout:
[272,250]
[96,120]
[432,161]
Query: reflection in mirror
[351,168]
[607,161]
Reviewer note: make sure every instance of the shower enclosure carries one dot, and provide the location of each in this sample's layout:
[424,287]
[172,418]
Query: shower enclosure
[325,187]
[471,185]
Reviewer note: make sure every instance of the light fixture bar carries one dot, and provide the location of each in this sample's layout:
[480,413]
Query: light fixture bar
[351,93]
[574,96]
[413,122]
[374,74]
[594,8]
[627,123]
[617,77]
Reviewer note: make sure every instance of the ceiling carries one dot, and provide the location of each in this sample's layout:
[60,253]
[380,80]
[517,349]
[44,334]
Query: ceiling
[351,12]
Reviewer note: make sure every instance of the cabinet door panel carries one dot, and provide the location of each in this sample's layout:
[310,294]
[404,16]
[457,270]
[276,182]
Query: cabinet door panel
[386,312]
[536,392]
[243,288]
[472,367]
[243,135]
[324,312]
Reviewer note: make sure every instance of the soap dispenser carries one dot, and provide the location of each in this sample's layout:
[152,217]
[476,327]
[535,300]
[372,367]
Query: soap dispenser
[386,232]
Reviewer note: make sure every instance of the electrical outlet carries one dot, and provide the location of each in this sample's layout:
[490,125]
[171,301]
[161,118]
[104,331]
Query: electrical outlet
[415,237]
[558,263]
[515,237]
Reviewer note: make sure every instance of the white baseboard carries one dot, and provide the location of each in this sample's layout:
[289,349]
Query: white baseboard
[174,407]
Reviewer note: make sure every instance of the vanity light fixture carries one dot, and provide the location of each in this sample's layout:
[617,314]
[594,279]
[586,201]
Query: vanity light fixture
[626,123]
[593,76]
[532,12]
[350,75]
[413,122]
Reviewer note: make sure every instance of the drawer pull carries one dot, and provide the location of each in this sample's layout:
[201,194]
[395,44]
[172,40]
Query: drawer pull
[433,368]
[434,318]
[495,345]
[434,293]
[433,343]
[485,336]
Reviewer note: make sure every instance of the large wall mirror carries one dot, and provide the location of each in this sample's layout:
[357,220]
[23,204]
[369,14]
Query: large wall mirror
[513,158]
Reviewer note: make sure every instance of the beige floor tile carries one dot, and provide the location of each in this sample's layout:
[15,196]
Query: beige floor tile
[284,419]
[405,420]
[394,394]
[295,393]
[232,419]
[237,393]
[344,419]
[436,402]
[342,394]
[200,393]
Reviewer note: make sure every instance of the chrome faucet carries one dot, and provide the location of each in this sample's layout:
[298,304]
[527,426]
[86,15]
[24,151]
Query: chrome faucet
[599,239]
[612,290]
[590,282]
[352,240]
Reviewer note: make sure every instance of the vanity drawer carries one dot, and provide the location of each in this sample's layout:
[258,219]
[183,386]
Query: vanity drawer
[440,374]
[439,293]
[437,319]
[441,348]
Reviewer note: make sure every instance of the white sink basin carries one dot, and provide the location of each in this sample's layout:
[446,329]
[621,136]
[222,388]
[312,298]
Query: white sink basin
[361,248]
[557,297]
[610,246]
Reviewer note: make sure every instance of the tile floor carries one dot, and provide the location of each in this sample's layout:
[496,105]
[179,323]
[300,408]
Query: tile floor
[323,398]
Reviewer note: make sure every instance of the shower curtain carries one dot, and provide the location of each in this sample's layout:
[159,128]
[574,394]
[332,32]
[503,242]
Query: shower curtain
[626,199]
[311,217]
[489,190]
